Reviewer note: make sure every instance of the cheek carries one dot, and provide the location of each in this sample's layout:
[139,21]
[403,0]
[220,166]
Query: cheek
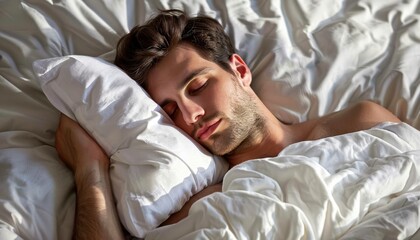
[222,98]
[179,122]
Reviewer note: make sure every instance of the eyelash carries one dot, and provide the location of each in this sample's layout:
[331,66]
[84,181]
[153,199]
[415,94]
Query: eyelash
[174,112]
[199,89]
[170,110]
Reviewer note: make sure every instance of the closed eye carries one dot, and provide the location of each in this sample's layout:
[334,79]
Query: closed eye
[197,86]
[171,109]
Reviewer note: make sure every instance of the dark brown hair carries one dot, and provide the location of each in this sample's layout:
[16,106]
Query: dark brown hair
[144,46]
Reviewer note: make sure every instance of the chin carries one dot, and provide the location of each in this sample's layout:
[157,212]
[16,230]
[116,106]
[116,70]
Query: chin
[225,150]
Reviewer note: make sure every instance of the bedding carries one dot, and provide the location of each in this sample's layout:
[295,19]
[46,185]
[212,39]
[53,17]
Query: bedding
[332,188]
[308,58]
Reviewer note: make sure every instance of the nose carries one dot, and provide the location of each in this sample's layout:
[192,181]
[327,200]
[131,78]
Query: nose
[191,111]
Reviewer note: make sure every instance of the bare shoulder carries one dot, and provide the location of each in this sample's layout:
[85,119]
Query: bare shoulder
[360,116]
[370,113]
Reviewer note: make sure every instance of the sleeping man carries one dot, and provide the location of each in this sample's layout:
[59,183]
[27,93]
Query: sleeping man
[189,67]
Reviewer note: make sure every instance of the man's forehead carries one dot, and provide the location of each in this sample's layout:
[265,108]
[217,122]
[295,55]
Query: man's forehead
[178,61]
[175,70]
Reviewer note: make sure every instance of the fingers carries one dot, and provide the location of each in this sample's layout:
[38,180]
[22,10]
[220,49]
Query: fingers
[76,148]
[63,143]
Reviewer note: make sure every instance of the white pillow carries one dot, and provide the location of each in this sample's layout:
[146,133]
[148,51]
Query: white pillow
[155,168]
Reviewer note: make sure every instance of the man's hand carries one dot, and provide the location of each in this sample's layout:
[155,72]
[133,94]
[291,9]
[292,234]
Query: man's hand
[76,148]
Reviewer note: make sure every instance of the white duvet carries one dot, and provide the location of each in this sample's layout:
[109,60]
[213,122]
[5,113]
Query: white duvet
[362,185]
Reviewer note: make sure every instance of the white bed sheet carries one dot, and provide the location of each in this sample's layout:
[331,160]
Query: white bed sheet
[308,58]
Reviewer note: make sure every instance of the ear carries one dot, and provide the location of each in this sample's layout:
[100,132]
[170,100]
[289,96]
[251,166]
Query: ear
[240,69]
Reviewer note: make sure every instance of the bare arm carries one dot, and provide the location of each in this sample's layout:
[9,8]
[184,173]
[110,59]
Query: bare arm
[96,216]
[183,213]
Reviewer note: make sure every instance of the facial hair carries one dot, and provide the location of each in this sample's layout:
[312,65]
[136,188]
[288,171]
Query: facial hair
[245,125]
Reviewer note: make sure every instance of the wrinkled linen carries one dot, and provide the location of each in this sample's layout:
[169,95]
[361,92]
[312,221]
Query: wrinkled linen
[362,185]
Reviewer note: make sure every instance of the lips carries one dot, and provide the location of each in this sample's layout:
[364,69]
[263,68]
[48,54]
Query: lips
[207,130]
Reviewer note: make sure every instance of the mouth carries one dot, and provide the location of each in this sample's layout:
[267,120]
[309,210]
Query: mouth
[207,130]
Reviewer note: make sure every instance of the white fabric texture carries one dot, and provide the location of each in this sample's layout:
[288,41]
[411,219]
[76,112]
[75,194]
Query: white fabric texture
[308,58]
[155,167]
[362,185]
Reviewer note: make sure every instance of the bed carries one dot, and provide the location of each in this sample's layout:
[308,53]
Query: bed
[308,58]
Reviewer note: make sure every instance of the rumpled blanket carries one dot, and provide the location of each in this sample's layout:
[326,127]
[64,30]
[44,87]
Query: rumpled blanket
[361,185]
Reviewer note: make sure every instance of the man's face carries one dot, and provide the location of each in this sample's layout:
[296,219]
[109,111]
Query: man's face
[208,103]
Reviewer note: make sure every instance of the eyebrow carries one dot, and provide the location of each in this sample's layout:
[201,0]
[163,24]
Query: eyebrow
[194,74]
[187,79]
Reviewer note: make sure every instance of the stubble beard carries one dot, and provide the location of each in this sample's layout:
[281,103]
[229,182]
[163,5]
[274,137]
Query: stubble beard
[245,126]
